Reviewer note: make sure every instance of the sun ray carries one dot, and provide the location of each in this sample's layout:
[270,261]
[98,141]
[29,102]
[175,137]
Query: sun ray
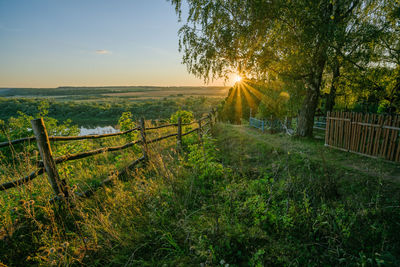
[254,91]
[248,97]
[231,96]
[238,105]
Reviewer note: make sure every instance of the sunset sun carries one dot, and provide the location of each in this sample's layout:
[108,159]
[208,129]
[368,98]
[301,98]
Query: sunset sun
[237,78]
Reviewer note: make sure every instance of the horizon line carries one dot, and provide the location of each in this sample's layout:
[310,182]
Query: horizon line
[105,86]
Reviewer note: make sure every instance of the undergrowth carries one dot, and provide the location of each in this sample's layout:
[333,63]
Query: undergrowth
[229,200]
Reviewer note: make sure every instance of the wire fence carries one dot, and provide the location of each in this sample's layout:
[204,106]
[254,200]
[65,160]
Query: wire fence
[287,125]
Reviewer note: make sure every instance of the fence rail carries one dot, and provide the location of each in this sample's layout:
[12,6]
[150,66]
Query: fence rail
[256,123]
[366,134]
[48,163]
[320,123]
[67,138]
[273,124]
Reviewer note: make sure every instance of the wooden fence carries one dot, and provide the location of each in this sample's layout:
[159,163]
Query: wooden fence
[48,162]
[366,134]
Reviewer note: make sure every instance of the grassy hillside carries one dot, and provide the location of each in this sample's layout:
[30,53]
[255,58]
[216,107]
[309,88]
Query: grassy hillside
[243,199]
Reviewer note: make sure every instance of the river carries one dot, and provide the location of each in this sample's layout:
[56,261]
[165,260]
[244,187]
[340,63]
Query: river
[97,130]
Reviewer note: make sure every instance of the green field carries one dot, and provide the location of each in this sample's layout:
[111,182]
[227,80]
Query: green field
[135,93]
[98,106]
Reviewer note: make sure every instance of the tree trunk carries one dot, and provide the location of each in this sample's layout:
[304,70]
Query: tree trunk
[312,84]
[307,112]
[330,101]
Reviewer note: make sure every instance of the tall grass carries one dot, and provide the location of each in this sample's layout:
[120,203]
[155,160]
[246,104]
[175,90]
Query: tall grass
[231,200]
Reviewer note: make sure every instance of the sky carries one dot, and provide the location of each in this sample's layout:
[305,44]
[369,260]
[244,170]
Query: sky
[51,43]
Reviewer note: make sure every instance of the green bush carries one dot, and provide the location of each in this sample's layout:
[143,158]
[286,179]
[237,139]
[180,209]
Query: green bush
[186,116]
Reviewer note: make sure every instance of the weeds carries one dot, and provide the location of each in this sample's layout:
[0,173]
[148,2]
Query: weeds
[209,206]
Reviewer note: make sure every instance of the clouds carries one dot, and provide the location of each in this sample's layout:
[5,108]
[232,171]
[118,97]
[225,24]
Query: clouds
[102,52]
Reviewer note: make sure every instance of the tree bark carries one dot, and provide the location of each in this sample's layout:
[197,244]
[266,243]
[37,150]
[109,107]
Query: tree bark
[312,84]
[330,101]
[307,112]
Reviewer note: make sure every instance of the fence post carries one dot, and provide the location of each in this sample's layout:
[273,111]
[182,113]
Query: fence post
[349,131]
[43,143]
[210,118]
[143,135]
[262,125]
[200,131]
[179,136]
[215,115]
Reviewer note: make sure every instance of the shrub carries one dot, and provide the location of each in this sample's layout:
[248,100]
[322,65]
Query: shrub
[186,116]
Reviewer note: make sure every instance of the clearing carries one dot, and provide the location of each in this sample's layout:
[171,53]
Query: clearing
[250,142]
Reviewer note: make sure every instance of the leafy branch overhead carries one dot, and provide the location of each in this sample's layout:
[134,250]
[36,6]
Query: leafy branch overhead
[296,41]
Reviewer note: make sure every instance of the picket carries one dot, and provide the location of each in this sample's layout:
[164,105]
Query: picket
[370,134]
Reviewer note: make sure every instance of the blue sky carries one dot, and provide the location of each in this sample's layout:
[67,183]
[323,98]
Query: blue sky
[50,43]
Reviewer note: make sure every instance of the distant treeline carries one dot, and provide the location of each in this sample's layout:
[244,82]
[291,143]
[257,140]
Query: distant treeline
[106,112]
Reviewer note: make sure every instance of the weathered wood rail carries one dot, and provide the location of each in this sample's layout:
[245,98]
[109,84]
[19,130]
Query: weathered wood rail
[48,163]
[69,138]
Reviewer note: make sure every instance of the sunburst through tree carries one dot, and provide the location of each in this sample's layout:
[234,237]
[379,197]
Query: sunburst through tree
[265,100]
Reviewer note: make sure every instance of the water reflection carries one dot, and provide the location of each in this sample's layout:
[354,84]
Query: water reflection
[97,130]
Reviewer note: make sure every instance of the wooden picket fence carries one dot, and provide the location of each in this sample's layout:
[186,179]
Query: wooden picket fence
[48,163]
[371,135]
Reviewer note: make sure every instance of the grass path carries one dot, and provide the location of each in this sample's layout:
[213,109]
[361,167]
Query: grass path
[313,149]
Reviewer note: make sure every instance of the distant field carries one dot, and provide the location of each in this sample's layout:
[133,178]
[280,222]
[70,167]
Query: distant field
[102,106]
[134,93]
